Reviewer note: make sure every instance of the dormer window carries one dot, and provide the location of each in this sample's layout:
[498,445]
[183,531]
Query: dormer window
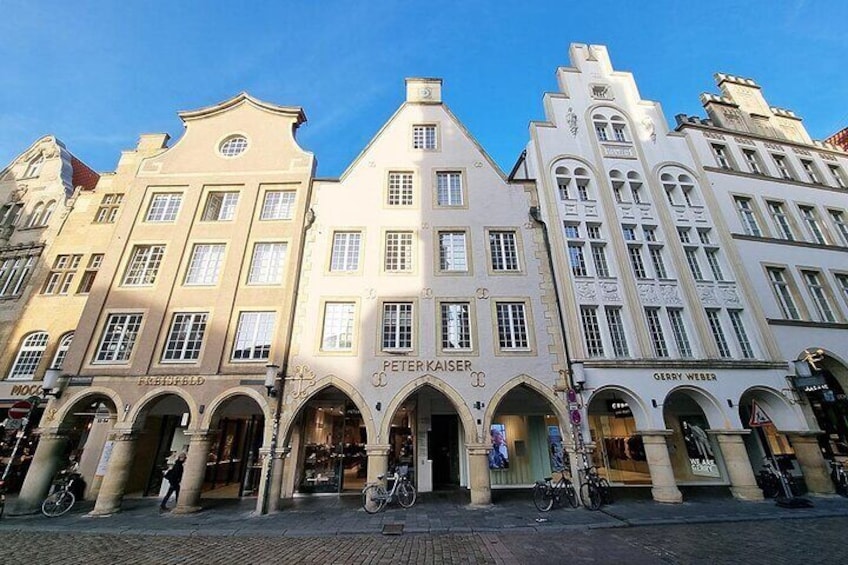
[619,132]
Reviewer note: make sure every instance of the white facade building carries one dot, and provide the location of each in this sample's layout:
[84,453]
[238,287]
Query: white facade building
[666,339]
[784,199]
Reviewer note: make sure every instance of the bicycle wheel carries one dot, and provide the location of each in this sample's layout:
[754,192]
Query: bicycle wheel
[406,495]
[606,491]
[571,495]
[590,495]
[543,497]
[373,498]
[57,503]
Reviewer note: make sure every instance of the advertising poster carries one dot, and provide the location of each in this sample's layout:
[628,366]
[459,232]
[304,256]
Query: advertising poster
[701,457]
[555,445]
[498,454]
[104,459]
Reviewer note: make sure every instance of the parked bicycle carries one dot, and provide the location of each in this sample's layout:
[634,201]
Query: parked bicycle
[774,482]
[61,498]
[594,489]
[546,493]
[375,497]
[839,477]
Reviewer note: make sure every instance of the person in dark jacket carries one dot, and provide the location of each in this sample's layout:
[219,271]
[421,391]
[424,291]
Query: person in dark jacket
[174,477]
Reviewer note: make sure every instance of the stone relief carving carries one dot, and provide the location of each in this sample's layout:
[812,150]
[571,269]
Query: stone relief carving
[571,120]
[301,381]
[650,129]
[585,290]
[712,135]
[669,294]
[378,379]
[482,293]
[427,293]
[707,294]
[647,293]
[478,379]
[729,295]
[610,291]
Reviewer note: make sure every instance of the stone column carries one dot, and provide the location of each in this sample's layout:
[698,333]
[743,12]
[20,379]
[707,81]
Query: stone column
[478,473]
[276,490]
[117,472]
[378,460]
[46,462]
[659,464]
[264,455]
[813,465]
[194,472]
[743,483]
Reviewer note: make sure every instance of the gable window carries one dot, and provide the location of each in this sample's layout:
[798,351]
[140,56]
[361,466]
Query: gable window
[781,221]
[398,252]
[14,272]
[118,339]
[718,332]
[748,217]
[164,207]
[62,350]
[504,251]
[635,183]
[337,334]
[400,189]
[753,161]
[619,130]
[812,220]
[90,273]
[580,180]
[424,136]
[29,356]
[721,156]
[35,216]
[592,331]
[782,290]
[453,251]
[819,294]
[601,127]
[512,326]
[811,170]
[278,205]
[617,182]
[253,336]
[449,189]
[345,253]
[205,264]
[656,331]
[782,165]
[110,204]
[233,146]
[62,275]
[456,326]
[34,167]
[185,337]
[838,175]
[266,266]
[839,221]
[220,206]
[144,265]
[397,326]
[616,330]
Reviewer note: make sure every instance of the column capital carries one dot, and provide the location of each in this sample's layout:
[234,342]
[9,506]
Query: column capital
[377,448]
[810,435]
[200,435]
[123,435]
[663,433]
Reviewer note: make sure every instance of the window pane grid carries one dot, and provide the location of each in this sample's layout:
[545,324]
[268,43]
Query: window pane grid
[399,251]
[600,260]
[718,333]
[656,331]
[423,137]
[29,356]
[636,262]
[164,208]
[504,251]
[741,334]
[278,205]
[144,265]
[338,326]
[592,331]
[617,333]
[206,261]
[452,252]
[345,253]
[449,189]
[253,337]
[266,267]
[456,326]
[784,294]
[397,325]
[578,262]
[512,326]
[118,337]
[185,337]
[400,189]
[817,291]
[678,329]
[220,206]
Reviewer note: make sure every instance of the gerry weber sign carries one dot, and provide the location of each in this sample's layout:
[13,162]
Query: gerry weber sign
[685,376]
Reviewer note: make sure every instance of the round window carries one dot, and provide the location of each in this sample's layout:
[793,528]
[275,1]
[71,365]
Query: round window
[233,145]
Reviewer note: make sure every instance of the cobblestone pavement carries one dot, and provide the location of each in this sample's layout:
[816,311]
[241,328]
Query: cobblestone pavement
[816,540]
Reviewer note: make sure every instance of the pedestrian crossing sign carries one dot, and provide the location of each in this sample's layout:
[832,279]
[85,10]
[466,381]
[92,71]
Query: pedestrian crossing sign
[758,416]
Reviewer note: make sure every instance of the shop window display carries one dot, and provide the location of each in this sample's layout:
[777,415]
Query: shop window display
[333,449]
[619,451]
[524,449]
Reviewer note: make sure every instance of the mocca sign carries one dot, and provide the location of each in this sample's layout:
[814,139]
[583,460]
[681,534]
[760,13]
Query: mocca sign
[25,390]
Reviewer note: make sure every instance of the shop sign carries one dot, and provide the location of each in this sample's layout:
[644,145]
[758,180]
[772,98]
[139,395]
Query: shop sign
[814,383]
[619,409]
[186,380]
[26,390]
[692,376]
[426,365]
[702,459]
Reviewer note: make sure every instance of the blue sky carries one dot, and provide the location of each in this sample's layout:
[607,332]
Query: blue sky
[98,74]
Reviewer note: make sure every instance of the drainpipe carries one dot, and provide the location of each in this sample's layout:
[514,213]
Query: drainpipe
[281,381]
[577,435]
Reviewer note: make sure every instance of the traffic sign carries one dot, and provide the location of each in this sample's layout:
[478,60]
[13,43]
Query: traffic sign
[20,409]
[758,416]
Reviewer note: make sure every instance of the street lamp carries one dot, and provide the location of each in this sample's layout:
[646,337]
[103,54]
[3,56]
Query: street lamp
[50,385]
[272,375]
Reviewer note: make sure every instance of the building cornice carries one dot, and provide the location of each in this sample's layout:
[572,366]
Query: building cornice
[792,243]
[764,139]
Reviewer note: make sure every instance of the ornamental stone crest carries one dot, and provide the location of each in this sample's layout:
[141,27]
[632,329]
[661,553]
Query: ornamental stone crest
[585,290]
[301,381]
[707,294]
[610,292]
[571,120]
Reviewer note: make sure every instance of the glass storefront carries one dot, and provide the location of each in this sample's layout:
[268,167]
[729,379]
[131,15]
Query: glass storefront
[233,461]
[524,449]
[830,407]
[619,451]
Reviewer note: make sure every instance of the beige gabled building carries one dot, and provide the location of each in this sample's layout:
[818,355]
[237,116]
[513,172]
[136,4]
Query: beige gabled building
[192,301]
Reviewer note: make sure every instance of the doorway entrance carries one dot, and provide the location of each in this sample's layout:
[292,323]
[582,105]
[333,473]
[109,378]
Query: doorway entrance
[443,448]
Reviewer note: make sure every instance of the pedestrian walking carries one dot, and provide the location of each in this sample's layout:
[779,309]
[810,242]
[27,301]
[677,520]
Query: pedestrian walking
[174,476]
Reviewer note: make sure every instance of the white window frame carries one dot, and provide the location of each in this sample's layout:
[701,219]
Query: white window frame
[453,251]
[717,330]
[267,263]
[617,332]
[503,251]
[455,326]
[400,189]
[185,341]
[164,207]
[220,206]
[62,350]
[782,288]
[397,329]
[143,265]
[513,327]
[425,137]
[745,208]
[399,252]
[118,338]
[338,327]
[817,288]
[254,336]
[29,357]
[345,251]
[205,264]
[592,331]
[450,189]
[278,205]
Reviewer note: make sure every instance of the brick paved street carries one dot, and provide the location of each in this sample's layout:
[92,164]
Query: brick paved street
[819,541]
[439,529]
